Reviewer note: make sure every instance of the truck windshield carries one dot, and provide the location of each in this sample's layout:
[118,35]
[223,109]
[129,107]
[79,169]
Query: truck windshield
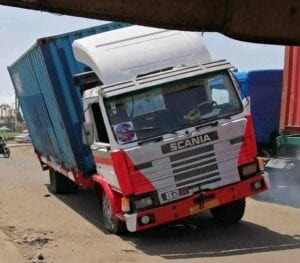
[163,109]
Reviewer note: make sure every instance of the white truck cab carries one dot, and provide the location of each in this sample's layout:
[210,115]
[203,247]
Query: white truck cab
[168,131]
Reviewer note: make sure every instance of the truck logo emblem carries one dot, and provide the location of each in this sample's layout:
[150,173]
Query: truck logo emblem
[190,142]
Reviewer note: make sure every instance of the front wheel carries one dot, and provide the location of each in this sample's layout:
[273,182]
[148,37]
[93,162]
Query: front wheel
[230,213]
[110,222]
[6,152]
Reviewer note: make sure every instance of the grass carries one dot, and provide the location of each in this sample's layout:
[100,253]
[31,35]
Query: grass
[9,135]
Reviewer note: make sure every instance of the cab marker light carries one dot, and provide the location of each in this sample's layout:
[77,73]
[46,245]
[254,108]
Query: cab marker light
[261,163]
[125,204]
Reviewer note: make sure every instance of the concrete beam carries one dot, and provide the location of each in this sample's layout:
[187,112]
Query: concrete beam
[268,21]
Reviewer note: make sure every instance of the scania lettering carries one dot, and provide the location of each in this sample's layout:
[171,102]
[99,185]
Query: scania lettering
[165,126]
[187,143]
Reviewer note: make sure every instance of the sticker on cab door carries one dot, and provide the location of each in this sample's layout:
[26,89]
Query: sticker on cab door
[125,132]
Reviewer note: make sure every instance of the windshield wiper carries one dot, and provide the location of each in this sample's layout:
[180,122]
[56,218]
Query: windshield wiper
[211,115]
[155,139]
[205,120]
[206,117]
[146,129]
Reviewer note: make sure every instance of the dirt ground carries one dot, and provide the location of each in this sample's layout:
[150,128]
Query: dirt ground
[66,228]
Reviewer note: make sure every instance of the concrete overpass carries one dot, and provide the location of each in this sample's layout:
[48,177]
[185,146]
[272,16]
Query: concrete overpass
[268,21]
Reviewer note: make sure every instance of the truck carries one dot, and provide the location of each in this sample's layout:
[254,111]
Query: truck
[160,131]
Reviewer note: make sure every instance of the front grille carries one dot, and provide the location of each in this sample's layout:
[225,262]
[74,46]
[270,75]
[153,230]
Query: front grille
[200,179]
[186,166]
[187,154]
[196,172]
[181,173]
[199,158]
[194,165]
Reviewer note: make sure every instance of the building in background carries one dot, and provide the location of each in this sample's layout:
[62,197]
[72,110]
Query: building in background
[11,117]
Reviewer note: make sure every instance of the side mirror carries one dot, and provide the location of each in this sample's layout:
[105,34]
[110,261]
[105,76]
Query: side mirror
[88,133]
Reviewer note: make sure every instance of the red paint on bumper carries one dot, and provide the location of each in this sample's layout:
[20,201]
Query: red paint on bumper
[184,208]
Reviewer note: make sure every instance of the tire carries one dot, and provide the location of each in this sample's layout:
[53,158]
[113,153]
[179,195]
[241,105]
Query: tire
[60,184]
[6,152]
[230,213]
[110,223]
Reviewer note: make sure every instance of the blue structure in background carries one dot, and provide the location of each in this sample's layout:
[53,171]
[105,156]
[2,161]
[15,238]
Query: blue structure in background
[264,88]
[52,105]
[243,80]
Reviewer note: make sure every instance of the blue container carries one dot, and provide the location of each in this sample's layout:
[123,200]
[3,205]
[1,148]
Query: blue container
[265,96]
[50,102]
[264,88]
[244,85]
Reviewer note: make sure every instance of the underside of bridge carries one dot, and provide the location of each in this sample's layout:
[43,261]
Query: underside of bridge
[268,21]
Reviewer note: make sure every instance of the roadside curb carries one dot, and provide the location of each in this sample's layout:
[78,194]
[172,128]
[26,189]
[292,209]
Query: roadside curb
[8,251]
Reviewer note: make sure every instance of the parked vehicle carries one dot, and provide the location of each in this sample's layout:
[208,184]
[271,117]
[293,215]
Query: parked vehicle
[23,138]
[162,133]
[4,150]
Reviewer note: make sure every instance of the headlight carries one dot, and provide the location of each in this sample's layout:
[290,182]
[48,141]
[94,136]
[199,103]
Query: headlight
[143,202]
[248,170]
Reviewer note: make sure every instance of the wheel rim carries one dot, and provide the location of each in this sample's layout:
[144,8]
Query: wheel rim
[107,211]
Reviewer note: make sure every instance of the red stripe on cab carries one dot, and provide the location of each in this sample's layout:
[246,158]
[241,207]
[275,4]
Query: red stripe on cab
[102,160]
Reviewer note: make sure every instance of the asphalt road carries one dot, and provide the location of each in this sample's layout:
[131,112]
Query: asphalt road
[66,228]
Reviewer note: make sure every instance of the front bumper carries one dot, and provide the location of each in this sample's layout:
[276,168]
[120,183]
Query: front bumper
[196,204]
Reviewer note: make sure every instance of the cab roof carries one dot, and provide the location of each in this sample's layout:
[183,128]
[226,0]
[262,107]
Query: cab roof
[128,53]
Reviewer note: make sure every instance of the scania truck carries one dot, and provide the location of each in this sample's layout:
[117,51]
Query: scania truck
[162,123]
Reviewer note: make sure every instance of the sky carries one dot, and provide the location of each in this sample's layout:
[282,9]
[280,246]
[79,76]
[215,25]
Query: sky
[19,29]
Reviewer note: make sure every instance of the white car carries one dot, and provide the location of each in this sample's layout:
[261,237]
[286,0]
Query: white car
[23,138]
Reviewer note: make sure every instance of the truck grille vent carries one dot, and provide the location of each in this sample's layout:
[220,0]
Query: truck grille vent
[193,160]
[201,178]
[194,165]
[195,172]
[191,153]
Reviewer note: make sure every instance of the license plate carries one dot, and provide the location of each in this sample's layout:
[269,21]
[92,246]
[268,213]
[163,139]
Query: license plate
[175,194]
